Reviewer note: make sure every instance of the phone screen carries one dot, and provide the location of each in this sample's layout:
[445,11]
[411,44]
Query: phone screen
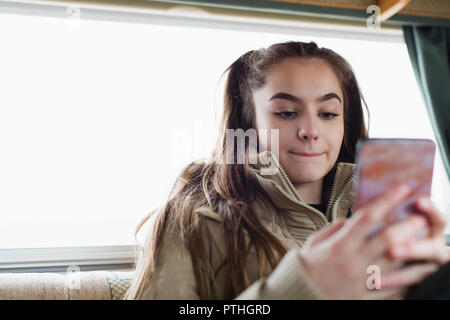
[386,163]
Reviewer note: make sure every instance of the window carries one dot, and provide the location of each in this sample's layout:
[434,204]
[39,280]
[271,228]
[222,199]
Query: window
[97,117]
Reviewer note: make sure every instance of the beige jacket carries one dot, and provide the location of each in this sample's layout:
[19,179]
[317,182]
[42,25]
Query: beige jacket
[289,279]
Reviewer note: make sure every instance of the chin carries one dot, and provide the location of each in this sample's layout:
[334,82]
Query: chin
[305,171]
[302,176]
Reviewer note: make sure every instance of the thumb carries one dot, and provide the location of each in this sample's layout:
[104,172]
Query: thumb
[324,233]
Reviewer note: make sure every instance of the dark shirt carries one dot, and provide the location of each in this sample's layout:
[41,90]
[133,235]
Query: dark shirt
[321,207]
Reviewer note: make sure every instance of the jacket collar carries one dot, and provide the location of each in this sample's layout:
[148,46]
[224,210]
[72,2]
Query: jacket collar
[273,178]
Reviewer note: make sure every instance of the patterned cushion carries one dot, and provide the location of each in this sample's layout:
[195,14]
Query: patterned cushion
[86,285]
[118,282]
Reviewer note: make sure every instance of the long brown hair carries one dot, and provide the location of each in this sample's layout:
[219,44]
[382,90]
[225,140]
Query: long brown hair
[229,189]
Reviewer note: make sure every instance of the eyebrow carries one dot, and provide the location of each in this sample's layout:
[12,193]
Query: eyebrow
[290,97]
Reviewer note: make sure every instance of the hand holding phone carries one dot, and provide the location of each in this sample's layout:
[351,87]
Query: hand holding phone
[387,163]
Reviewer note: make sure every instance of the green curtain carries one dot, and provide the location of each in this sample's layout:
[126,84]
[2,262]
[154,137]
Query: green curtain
[429,51]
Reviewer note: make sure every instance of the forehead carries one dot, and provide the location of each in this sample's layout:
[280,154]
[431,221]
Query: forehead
[303,77]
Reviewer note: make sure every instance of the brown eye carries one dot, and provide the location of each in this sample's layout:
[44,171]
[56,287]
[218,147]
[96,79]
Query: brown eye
[286,115]
[329,115]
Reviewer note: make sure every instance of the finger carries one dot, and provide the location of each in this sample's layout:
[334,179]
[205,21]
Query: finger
[324,233]
[385,265]
[394,235]
[437,219]
[379,292]
[408,276]
[375,212]
[433,250]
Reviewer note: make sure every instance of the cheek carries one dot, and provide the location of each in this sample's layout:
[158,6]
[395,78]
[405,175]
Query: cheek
[283,135]
[336,137]
[264,126]
[287,138]
[268,122]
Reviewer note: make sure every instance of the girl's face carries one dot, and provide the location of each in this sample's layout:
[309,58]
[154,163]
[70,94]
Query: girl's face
[303,99]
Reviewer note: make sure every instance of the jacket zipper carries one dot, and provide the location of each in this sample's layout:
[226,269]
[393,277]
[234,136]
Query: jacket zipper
[344,189]
[333,190]
[302,202]
[331,206]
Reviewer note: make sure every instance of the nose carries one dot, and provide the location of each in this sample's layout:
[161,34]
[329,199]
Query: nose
[308,129]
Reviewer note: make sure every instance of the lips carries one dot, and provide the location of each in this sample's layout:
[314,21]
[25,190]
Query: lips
[304,154]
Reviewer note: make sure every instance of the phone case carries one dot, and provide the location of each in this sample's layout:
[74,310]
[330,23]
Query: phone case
[386,163]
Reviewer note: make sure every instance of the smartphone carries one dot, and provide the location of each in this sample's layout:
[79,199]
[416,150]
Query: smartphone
[386,163]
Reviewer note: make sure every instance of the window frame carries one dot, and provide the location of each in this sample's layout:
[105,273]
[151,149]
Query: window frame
[60,259]
[124,257]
